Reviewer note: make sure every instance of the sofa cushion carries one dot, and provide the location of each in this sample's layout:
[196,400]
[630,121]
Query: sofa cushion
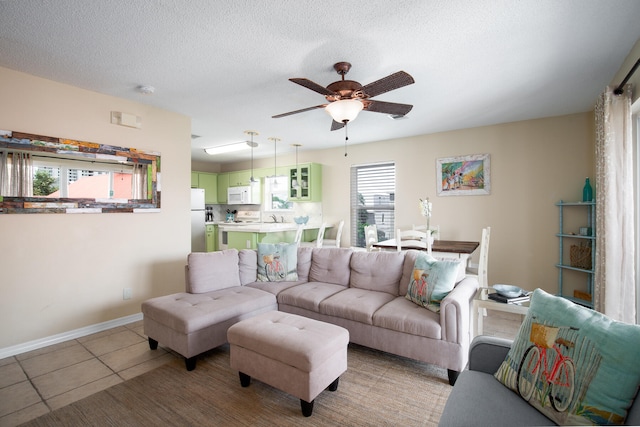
[308,295]
[377,271]
[407,270]
[461,262]
[210,271]
[330,265]
[187,313]
[274,287]
[478,399]
[355,304]
[277,262]
[304,262]
[404,316]
[601,353]
[432,281]
[248,265]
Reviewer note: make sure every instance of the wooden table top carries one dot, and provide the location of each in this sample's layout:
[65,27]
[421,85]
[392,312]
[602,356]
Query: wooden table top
[454,246]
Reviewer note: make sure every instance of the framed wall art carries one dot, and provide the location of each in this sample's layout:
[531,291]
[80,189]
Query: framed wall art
[463,175]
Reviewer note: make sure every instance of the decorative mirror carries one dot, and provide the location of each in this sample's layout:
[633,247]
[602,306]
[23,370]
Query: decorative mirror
[42,174]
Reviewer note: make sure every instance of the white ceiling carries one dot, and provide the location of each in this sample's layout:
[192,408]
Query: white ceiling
[226,64]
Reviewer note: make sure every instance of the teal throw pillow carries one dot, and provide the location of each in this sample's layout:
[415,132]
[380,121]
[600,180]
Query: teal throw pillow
[432,280]
[573,364]
[277,262]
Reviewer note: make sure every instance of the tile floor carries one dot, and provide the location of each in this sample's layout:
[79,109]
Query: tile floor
[34,383]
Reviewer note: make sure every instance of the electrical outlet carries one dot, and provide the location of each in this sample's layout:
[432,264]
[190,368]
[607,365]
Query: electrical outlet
[126,293]
[248,244]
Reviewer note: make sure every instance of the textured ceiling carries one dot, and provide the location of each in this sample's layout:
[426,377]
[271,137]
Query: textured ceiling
[226,64]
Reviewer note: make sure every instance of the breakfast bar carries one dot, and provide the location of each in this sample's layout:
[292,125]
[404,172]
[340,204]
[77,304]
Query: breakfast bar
[247,236]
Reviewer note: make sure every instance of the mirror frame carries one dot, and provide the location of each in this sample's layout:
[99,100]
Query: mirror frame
[86,151]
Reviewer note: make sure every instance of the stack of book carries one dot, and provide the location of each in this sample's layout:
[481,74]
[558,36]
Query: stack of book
[524,297]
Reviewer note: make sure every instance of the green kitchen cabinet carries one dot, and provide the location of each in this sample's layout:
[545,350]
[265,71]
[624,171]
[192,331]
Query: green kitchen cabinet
[305,183]
[242,240]
[223,185]
[249,240]
[240,178]
[211,235]
[209,182]
[194,179]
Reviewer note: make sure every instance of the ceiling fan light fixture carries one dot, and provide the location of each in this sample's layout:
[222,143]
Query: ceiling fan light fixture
[345,110]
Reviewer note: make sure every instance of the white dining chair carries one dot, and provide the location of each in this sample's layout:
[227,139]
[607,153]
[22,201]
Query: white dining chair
[334,242]
[370,237]
[483,261]
[298,237]
[317,243]
[414,238]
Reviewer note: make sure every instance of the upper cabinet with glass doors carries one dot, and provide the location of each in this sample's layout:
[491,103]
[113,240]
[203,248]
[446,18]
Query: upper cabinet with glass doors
[305,183]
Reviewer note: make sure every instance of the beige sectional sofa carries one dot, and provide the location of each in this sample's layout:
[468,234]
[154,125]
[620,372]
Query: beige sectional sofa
[363,292]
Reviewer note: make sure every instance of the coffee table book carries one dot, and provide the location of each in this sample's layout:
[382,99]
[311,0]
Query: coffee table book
[515,300]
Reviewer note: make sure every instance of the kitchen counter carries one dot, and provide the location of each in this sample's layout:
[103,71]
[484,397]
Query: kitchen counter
[264,227]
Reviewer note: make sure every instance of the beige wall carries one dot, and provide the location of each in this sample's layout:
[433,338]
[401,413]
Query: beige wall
[534,164]
[60,272]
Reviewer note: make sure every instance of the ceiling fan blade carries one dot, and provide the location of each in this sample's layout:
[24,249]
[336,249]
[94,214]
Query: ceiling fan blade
[386,84]
[298,111]
[313,86]
[336,125]
[387,107]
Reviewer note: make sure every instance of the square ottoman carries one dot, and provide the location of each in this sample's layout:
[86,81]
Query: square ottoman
[297,355]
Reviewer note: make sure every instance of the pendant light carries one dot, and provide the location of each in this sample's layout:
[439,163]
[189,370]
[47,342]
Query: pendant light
[297,184]
[275,169]
[252,145]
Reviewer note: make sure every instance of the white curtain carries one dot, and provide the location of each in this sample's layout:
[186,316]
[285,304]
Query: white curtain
[139,182]
[614,285]
[16,175]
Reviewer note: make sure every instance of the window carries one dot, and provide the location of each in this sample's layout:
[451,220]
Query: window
[373,190]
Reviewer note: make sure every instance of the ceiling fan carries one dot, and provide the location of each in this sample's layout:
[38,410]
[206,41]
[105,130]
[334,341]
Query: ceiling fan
[346,98]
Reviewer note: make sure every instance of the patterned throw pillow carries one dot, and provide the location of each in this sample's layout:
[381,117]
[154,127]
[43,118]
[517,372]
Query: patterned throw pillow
[432,281]
[277,262]
[573,364]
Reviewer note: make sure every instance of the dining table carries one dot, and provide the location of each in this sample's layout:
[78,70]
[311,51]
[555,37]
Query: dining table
[446,246]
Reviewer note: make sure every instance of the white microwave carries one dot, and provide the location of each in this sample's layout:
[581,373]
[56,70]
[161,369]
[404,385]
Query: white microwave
[245,195]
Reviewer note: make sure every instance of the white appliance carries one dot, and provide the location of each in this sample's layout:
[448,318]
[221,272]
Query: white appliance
[244,195]
[198,239]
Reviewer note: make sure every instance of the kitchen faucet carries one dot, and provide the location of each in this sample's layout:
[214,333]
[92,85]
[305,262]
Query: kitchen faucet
[275,219]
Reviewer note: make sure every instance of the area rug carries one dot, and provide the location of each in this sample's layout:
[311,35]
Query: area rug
[378,389]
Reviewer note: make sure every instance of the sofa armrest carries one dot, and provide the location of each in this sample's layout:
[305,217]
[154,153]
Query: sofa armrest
[455,312]
[487,353]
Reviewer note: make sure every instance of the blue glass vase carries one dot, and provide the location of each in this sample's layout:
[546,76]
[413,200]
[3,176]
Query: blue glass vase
[587,191]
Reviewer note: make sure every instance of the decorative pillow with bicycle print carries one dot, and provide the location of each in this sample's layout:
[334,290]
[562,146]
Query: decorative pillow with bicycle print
[277,262]
[432,281]
[573,364]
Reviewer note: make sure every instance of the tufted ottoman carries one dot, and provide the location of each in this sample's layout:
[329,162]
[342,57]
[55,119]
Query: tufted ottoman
[297,355]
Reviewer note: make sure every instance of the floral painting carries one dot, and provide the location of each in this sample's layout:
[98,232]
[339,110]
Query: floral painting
[463,175]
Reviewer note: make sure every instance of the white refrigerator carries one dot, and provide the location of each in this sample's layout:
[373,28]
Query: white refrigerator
[198,239]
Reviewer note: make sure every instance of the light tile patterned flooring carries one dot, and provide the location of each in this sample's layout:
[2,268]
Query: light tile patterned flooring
[34,383]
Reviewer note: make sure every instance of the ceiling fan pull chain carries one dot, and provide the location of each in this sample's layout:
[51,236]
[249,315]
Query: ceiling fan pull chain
[346,137]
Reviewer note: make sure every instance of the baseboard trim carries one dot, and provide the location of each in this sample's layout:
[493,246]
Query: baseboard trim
[69,335]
